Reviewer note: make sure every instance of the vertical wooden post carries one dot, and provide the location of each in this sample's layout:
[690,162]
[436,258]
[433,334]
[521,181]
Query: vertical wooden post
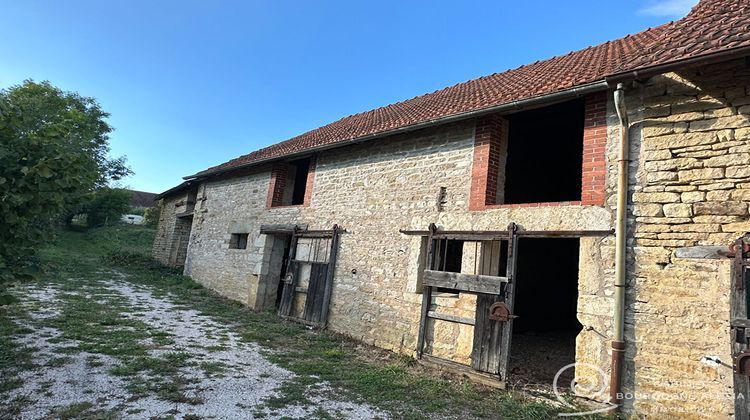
[507,332]
[426,294]
[333,255]
[287,295]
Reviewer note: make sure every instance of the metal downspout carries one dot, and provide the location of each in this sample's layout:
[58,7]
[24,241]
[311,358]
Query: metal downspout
[618,341]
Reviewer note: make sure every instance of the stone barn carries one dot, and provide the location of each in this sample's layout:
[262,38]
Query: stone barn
[589,208]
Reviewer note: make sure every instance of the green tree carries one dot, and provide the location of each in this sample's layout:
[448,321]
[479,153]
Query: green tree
[54,149]
[151,215]
[107,206]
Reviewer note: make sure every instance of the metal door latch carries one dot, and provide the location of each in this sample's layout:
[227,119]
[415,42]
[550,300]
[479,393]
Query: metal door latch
[499,311]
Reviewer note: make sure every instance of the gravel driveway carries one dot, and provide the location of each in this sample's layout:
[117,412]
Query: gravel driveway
[219,375]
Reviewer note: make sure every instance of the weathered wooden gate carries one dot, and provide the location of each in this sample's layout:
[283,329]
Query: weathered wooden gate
[493,321]
[740,325]
[308,284]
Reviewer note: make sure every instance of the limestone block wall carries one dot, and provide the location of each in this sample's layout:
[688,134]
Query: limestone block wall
[223,207]
[691,186]
[373,190]
[164,241]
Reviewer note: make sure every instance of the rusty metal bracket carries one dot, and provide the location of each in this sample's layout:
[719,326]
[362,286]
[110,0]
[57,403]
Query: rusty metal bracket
[499,311]
[739,249]
[741,365]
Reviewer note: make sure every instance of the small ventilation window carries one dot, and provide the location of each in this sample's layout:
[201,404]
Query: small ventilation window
[238,241]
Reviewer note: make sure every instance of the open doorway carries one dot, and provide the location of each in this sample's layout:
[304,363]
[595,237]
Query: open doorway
[546,297]
[286,244]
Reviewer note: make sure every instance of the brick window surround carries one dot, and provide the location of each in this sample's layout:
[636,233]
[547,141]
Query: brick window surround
[278,185]
[487,155]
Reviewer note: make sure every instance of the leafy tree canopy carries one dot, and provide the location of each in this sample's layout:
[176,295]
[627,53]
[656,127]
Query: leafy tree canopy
[107,206]
[54,150]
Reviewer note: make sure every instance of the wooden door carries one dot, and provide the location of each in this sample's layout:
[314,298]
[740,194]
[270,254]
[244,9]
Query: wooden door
[308,283]
[740,326]
[491,345]
[491,348]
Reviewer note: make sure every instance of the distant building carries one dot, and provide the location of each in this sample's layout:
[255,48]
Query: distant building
[142,199]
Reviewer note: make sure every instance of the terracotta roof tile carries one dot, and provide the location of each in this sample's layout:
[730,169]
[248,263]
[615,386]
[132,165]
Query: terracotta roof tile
[712,26]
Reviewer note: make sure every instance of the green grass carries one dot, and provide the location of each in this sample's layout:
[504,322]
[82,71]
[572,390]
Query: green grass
[360,373]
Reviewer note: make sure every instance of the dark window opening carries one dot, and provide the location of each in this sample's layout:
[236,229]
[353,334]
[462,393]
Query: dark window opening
[545,154]
[238,241]
[546,300]
[448,257]
[296,182]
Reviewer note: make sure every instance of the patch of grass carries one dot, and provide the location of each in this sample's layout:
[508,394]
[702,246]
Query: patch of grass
[94,362]
[84,410]
[213,368]
[12,409]
[291,393]
[14,358]
[359,372]
[214,349]
[58,361]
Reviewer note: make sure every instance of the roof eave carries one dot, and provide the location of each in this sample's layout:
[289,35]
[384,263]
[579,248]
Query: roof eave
[710,58]
[517,105]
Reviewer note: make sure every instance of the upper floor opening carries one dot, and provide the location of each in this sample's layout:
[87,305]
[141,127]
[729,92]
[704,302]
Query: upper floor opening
[544,156]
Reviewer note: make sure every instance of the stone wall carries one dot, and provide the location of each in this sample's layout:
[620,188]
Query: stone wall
[373,190]
[171,241]
[224,207]
[691,186]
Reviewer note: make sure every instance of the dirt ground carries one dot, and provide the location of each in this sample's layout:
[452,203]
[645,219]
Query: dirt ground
[221,375]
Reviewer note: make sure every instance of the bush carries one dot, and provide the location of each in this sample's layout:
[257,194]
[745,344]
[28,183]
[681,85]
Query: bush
[107,207]
[151,216]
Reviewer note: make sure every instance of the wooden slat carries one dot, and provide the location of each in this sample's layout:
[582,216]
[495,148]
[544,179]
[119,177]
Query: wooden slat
[280,229]
[315,291]
[287,294]
[450,318]
[473,283]
[739,322]
[485,348]
[458,368]
[300,289]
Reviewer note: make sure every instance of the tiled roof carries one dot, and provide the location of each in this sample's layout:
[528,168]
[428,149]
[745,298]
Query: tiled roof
[712,26]
[142,198]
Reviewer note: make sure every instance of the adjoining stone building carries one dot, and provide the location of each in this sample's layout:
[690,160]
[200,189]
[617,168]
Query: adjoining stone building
[426,226]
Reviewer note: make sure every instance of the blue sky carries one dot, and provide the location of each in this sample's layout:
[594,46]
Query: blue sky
[190,84]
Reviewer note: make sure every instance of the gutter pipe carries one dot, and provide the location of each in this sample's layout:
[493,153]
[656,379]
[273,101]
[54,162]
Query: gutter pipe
[618,341]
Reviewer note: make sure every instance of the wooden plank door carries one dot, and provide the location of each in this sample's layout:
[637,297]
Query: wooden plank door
[491,347]
[740,331]
[310,272]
